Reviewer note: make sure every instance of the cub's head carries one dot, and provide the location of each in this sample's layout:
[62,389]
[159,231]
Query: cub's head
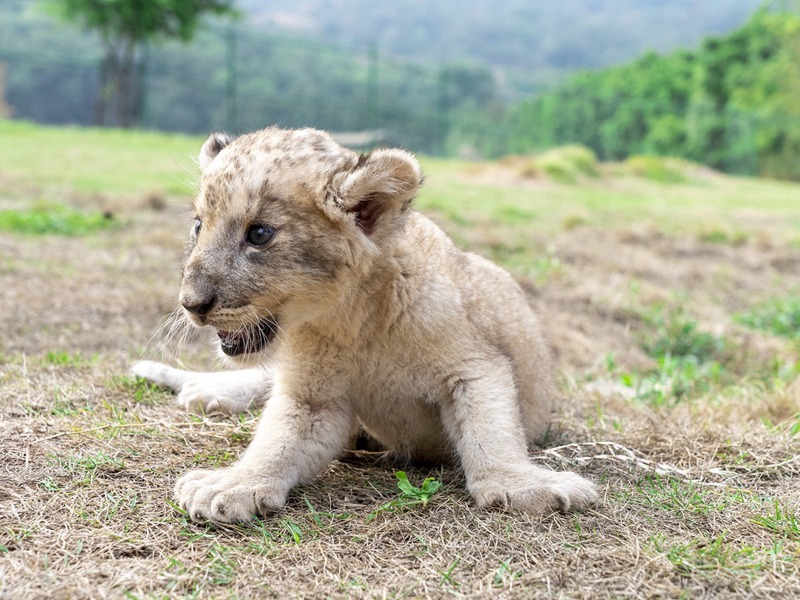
[287,224]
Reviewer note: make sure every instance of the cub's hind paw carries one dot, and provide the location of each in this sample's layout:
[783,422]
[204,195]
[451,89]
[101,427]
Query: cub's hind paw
[538,492]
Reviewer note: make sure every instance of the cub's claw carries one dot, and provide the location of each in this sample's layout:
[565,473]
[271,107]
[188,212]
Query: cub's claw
[226,496]
[538,492]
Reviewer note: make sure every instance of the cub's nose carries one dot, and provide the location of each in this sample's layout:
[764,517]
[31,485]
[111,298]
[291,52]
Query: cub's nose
[199,306]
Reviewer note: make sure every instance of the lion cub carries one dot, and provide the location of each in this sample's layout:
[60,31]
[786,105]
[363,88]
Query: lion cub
[309,262]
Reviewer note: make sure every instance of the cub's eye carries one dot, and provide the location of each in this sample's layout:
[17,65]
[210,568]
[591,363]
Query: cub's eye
[196,229]
[258,234]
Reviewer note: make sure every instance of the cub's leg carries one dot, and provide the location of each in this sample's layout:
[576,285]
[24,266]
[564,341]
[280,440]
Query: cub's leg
[226,391]
[483,421]
[294,442]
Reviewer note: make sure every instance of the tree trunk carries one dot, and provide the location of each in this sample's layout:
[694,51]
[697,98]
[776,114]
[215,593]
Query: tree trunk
[125,91]
[106,90]
[117,92]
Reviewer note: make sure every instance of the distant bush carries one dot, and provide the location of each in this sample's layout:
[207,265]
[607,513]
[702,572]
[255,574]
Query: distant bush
[656,168]
[565,164]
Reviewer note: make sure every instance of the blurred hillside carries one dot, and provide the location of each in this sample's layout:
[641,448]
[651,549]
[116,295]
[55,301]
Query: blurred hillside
[537,40]
[731,104]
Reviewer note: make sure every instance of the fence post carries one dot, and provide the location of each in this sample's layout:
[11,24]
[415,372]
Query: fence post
[742,154]
[373,109]
[231,116]
[443,117]
[144,83]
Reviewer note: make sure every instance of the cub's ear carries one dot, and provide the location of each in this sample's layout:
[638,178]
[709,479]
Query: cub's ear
[211,147]
[379,189]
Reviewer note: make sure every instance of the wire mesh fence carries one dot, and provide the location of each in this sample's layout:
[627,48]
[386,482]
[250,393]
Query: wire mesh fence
[236,78]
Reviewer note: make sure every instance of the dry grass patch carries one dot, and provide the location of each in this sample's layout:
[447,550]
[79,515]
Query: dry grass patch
[683,409]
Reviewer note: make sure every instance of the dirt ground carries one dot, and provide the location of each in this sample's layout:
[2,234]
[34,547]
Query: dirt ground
[698,497]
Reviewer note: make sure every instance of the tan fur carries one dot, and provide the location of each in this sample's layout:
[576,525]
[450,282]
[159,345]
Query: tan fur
[382,321]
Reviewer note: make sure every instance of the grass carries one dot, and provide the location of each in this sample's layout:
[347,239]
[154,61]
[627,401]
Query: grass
[69,359]
[467,201]
[98,161]
[141,390]
[781,521]
[779,315]
[681,397]
[53,219]
[689,362]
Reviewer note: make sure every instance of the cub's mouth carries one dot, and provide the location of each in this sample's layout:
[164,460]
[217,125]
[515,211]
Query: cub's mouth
[249,339]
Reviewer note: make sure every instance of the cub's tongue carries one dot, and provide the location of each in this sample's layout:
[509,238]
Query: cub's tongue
[231,343]
[230,337]
[251,339]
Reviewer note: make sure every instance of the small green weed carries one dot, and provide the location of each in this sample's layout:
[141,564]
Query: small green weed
[90,465]
[293,529]
[504,575]
[676,379]
[680,338]
[143,391]
[781,521]
[690,361]
[49,484]
[780,316]
[678,498]
[447,575]
[353,583]
[708,555]
[717,235]
[53,219]
[410,495]
[65,359]
[214,459]
[221,567]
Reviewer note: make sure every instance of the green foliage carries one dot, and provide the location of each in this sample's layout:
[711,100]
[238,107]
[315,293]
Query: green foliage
[410,495]
[53,219]
[140,21]
[124,26]
[731,104]
[780,316]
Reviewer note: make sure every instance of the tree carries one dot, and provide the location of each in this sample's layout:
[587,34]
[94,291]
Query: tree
[125,26]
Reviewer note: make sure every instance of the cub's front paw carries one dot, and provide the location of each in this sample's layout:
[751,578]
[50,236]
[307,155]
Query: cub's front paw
[200,396]
[536,491]
[227,496]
